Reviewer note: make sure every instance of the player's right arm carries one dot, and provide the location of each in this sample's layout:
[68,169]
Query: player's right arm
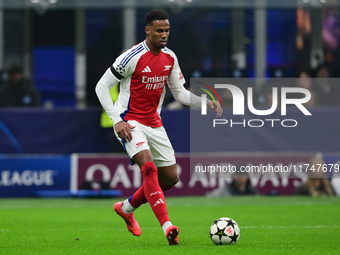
[111,78]
[107,82]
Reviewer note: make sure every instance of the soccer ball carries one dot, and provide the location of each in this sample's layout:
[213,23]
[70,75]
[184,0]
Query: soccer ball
[224,231]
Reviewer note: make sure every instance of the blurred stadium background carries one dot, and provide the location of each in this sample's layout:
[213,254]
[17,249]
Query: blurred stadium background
[64,147]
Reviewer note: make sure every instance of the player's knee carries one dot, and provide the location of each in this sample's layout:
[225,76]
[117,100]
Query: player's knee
[170,182]
[175,180]
[148,168]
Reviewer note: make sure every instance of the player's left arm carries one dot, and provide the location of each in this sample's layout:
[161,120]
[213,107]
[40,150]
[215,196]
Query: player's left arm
[185,97]
[176,83]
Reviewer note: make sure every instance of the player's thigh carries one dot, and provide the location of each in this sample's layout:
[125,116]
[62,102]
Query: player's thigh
[138,143]
[161,148]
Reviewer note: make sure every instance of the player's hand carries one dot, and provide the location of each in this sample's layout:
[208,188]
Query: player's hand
[215,107]
[123,130]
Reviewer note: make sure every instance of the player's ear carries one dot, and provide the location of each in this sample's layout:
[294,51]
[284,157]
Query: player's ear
[147,30]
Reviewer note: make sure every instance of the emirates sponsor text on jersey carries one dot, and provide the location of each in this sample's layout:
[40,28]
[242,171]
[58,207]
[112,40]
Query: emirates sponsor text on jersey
[155,82]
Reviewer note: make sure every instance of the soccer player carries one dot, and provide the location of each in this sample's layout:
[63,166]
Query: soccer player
[143,72]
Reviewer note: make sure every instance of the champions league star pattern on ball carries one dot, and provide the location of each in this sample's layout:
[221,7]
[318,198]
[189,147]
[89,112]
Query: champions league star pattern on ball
[224,231]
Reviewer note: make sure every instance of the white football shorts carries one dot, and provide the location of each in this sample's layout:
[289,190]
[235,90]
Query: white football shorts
[148,138]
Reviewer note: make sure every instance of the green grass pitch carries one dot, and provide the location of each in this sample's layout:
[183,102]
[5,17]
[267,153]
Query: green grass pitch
[269,225]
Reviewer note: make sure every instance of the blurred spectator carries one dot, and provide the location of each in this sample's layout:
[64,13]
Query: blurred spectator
[304,79]
[317,183]
[326,88]
[240,185]
[97,184]
[335,182]
[314,99]
[18,91]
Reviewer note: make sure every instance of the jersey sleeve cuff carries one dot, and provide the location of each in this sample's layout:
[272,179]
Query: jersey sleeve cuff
[115,119]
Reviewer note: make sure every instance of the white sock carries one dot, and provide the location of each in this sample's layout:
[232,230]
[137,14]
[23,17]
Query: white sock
[166,225]
[127,207]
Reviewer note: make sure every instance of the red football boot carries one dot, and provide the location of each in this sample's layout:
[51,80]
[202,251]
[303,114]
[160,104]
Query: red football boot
[172,235]
[129,218]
